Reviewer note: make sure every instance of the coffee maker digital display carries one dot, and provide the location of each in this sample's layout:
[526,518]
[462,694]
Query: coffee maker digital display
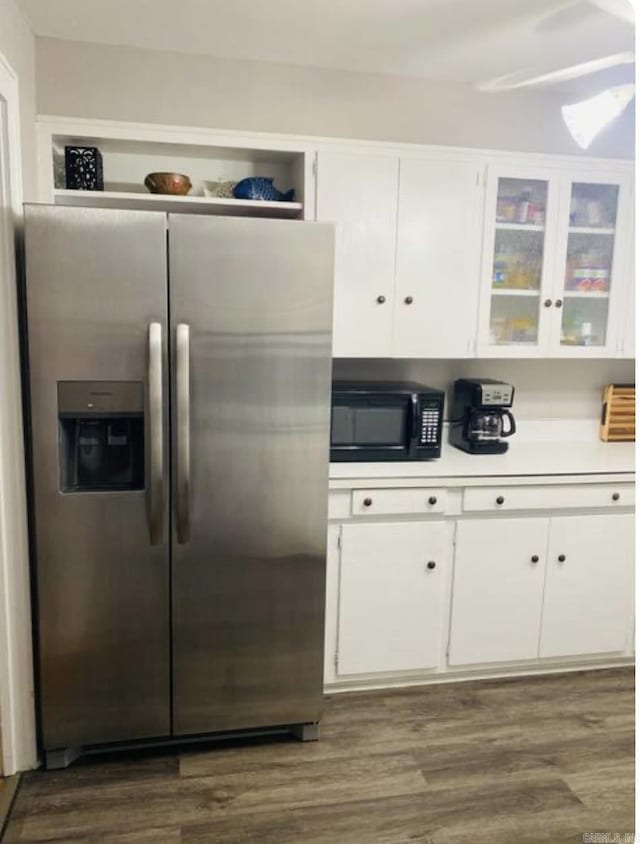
[478,415]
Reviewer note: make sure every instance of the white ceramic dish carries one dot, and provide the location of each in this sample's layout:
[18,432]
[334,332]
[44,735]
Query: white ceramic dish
[220,189]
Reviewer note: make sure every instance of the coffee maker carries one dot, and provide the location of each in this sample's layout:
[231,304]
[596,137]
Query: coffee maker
[478,415]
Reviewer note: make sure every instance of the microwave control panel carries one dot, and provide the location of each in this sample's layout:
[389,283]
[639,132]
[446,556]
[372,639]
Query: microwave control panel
[430,416]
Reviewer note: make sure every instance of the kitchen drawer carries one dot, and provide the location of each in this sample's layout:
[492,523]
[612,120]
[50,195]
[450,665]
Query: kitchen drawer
[503,499]
[382,502]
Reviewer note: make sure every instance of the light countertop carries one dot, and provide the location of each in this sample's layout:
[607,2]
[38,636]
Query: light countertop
[539,450]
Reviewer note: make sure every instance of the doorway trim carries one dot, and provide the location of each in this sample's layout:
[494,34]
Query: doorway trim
[17,715]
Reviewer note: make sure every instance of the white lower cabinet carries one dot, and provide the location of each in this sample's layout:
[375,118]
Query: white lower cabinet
[589,585]
[392,596]
[541,587]
[489,579]
[498,586]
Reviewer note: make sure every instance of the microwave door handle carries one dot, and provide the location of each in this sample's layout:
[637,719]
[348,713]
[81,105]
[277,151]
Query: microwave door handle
[155,487]
[415,417]
[512,424]
[183,457]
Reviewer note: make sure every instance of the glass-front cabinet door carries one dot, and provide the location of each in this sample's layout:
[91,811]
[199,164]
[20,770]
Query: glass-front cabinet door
[517,259]
[555,275]
[589,296]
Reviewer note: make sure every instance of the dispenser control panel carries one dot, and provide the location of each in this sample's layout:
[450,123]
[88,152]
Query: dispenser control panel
[101,436]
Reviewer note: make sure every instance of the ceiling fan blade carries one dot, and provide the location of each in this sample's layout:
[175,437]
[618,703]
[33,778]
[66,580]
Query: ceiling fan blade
[573,13]
[529,78]
[622,9]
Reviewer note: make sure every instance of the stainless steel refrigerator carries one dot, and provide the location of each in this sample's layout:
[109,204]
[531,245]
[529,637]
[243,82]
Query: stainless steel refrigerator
[179,375]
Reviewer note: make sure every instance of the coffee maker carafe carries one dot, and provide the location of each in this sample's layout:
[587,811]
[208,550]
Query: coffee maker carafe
[478,415]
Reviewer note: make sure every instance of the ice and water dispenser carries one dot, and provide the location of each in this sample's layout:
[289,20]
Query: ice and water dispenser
[101,426]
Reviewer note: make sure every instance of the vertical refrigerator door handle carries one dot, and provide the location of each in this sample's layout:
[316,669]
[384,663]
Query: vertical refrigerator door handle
[155,484]
[183,459]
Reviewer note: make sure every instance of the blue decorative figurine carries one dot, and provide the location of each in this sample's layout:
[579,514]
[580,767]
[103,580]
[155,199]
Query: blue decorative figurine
[257,187]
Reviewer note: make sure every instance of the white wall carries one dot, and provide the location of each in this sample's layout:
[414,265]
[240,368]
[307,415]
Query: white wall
[126,83]
[17,45]
[16,664]
[559,389]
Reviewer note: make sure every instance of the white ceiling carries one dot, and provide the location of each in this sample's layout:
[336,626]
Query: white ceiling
[468,41]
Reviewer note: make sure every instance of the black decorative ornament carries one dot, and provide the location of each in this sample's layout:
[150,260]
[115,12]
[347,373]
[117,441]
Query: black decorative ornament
[83,168]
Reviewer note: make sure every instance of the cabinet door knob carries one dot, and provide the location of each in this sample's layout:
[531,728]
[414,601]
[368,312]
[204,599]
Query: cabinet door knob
[535,558]
[408,300]
[548,303]
[561,558]
[500,499]
[367,502]
[558,303]
[616,496]
[433,500]
[381,300]
[431,565]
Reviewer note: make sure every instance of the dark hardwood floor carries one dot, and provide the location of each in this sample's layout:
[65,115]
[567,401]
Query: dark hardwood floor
[542,759]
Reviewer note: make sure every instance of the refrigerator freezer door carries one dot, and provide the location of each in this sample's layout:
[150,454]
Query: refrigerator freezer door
[248,569]
[97,332]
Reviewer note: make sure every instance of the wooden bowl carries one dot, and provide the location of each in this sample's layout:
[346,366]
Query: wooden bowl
[175,184]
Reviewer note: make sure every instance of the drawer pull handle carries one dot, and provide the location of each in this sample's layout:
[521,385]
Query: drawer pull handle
[500,499]
[367,502]
[381,300]
[535,558]
[433,500]
[561,558]
[616,496]
[431,565]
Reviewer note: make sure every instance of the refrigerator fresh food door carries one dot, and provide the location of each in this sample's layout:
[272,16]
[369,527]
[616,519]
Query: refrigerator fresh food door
[96,294]
[250,305]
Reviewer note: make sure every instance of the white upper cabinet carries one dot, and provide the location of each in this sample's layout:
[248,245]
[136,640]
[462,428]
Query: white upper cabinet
[627,343]
[555,271]
[359,192]
[408,236]
[440,252]
[438,258]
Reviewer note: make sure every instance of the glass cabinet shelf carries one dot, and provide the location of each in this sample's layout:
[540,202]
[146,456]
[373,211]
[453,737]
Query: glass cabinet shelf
[590,230]
[501,291]
[520,227]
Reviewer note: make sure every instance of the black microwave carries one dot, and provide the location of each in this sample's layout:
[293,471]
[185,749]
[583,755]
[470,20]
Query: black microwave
[385,421]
